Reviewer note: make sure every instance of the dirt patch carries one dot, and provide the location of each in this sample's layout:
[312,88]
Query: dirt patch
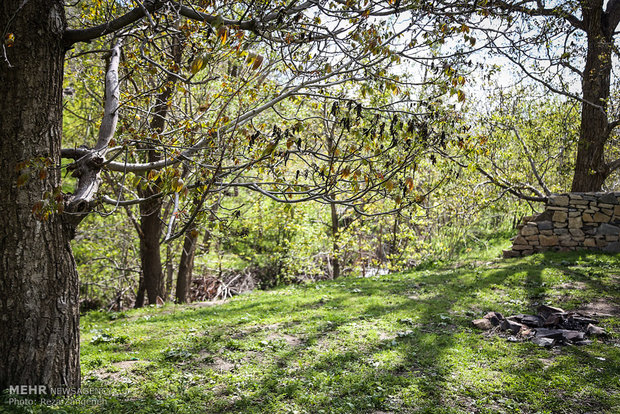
[289,339]
[221,365]
[601,307]
[126,365]
[477,264]
[120,371]
[206,304]
[573,286]
[384,336]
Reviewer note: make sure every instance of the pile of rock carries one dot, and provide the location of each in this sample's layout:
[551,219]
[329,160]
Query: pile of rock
[571,221]
[551,326]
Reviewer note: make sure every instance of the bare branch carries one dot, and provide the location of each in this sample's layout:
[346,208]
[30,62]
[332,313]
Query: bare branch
[532,163]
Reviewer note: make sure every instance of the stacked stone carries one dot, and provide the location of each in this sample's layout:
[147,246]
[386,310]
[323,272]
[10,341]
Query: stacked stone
[572,221]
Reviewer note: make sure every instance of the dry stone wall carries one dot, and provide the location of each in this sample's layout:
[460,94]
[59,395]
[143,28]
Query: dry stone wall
[572,221]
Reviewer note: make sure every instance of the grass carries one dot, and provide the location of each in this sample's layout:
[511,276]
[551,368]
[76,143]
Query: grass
[401,343]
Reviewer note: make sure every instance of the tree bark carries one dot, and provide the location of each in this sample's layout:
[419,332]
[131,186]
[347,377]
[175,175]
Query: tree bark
[590,168]
[39,312]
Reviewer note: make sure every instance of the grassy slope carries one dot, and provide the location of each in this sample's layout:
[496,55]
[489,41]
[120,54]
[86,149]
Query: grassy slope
[392,344]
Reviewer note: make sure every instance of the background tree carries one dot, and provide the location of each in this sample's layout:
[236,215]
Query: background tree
[567,46]
[305,57]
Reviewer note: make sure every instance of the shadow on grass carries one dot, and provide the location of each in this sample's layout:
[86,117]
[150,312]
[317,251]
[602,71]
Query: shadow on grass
[397,344]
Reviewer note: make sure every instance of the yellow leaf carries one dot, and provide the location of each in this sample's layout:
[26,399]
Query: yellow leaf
[197,65]
[257,62]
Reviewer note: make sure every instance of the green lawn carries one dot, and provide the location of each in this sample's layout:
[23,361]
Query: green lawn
[401,343]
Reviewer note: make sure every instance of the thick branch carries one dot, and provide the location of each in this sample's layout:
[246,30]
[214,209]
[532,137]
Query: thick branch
[89,164]
[540,11]
[72,36]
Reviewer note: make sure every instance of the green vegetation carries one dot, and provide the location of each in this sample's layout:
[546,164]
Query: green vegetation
[398,343]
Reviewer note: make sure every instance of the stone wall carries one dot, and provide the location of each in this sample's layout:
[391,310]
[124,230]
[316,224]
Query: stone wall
[572,221]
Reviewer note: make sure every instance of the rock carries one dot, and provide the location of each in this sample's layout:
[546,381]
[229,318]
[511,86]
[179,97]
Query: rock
[545,225]
[608,229]
[587,218]
[511,326]
[495,318]
[581,320]
[617,211]
[577,232]
[529,229]
[559,200]
[548,240]
[529,320]
[574,223]
[483,324]
[612,247]
[601,218]
[583,342]
[571,335]
[546,342]
[607,211]
[601,244]
[521,247]
[509,253]
[549,333]
[553,319]
[608,198]
[595,330]
[546,310]
[589,242]
[559,216]
[519,240]
[570,243]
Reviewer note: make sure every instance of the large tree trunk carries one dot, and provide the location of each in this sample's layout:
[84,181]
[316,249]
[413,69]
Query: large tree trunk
[39,340]
[590,168]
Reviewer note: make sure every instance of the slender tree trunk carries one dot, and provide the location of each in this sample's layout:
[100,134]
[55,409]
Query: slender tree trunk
[335,233]
[186,265]
[39,312]
[590,168]
[169,271]
[150,211]
[150,255]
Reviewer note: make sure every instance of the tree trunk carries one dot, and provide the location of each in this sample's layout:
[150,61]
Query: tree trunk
[169,271]
[39,312]
[150,211]
[335,234]
[186,265]
[590,168]
[150,256]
